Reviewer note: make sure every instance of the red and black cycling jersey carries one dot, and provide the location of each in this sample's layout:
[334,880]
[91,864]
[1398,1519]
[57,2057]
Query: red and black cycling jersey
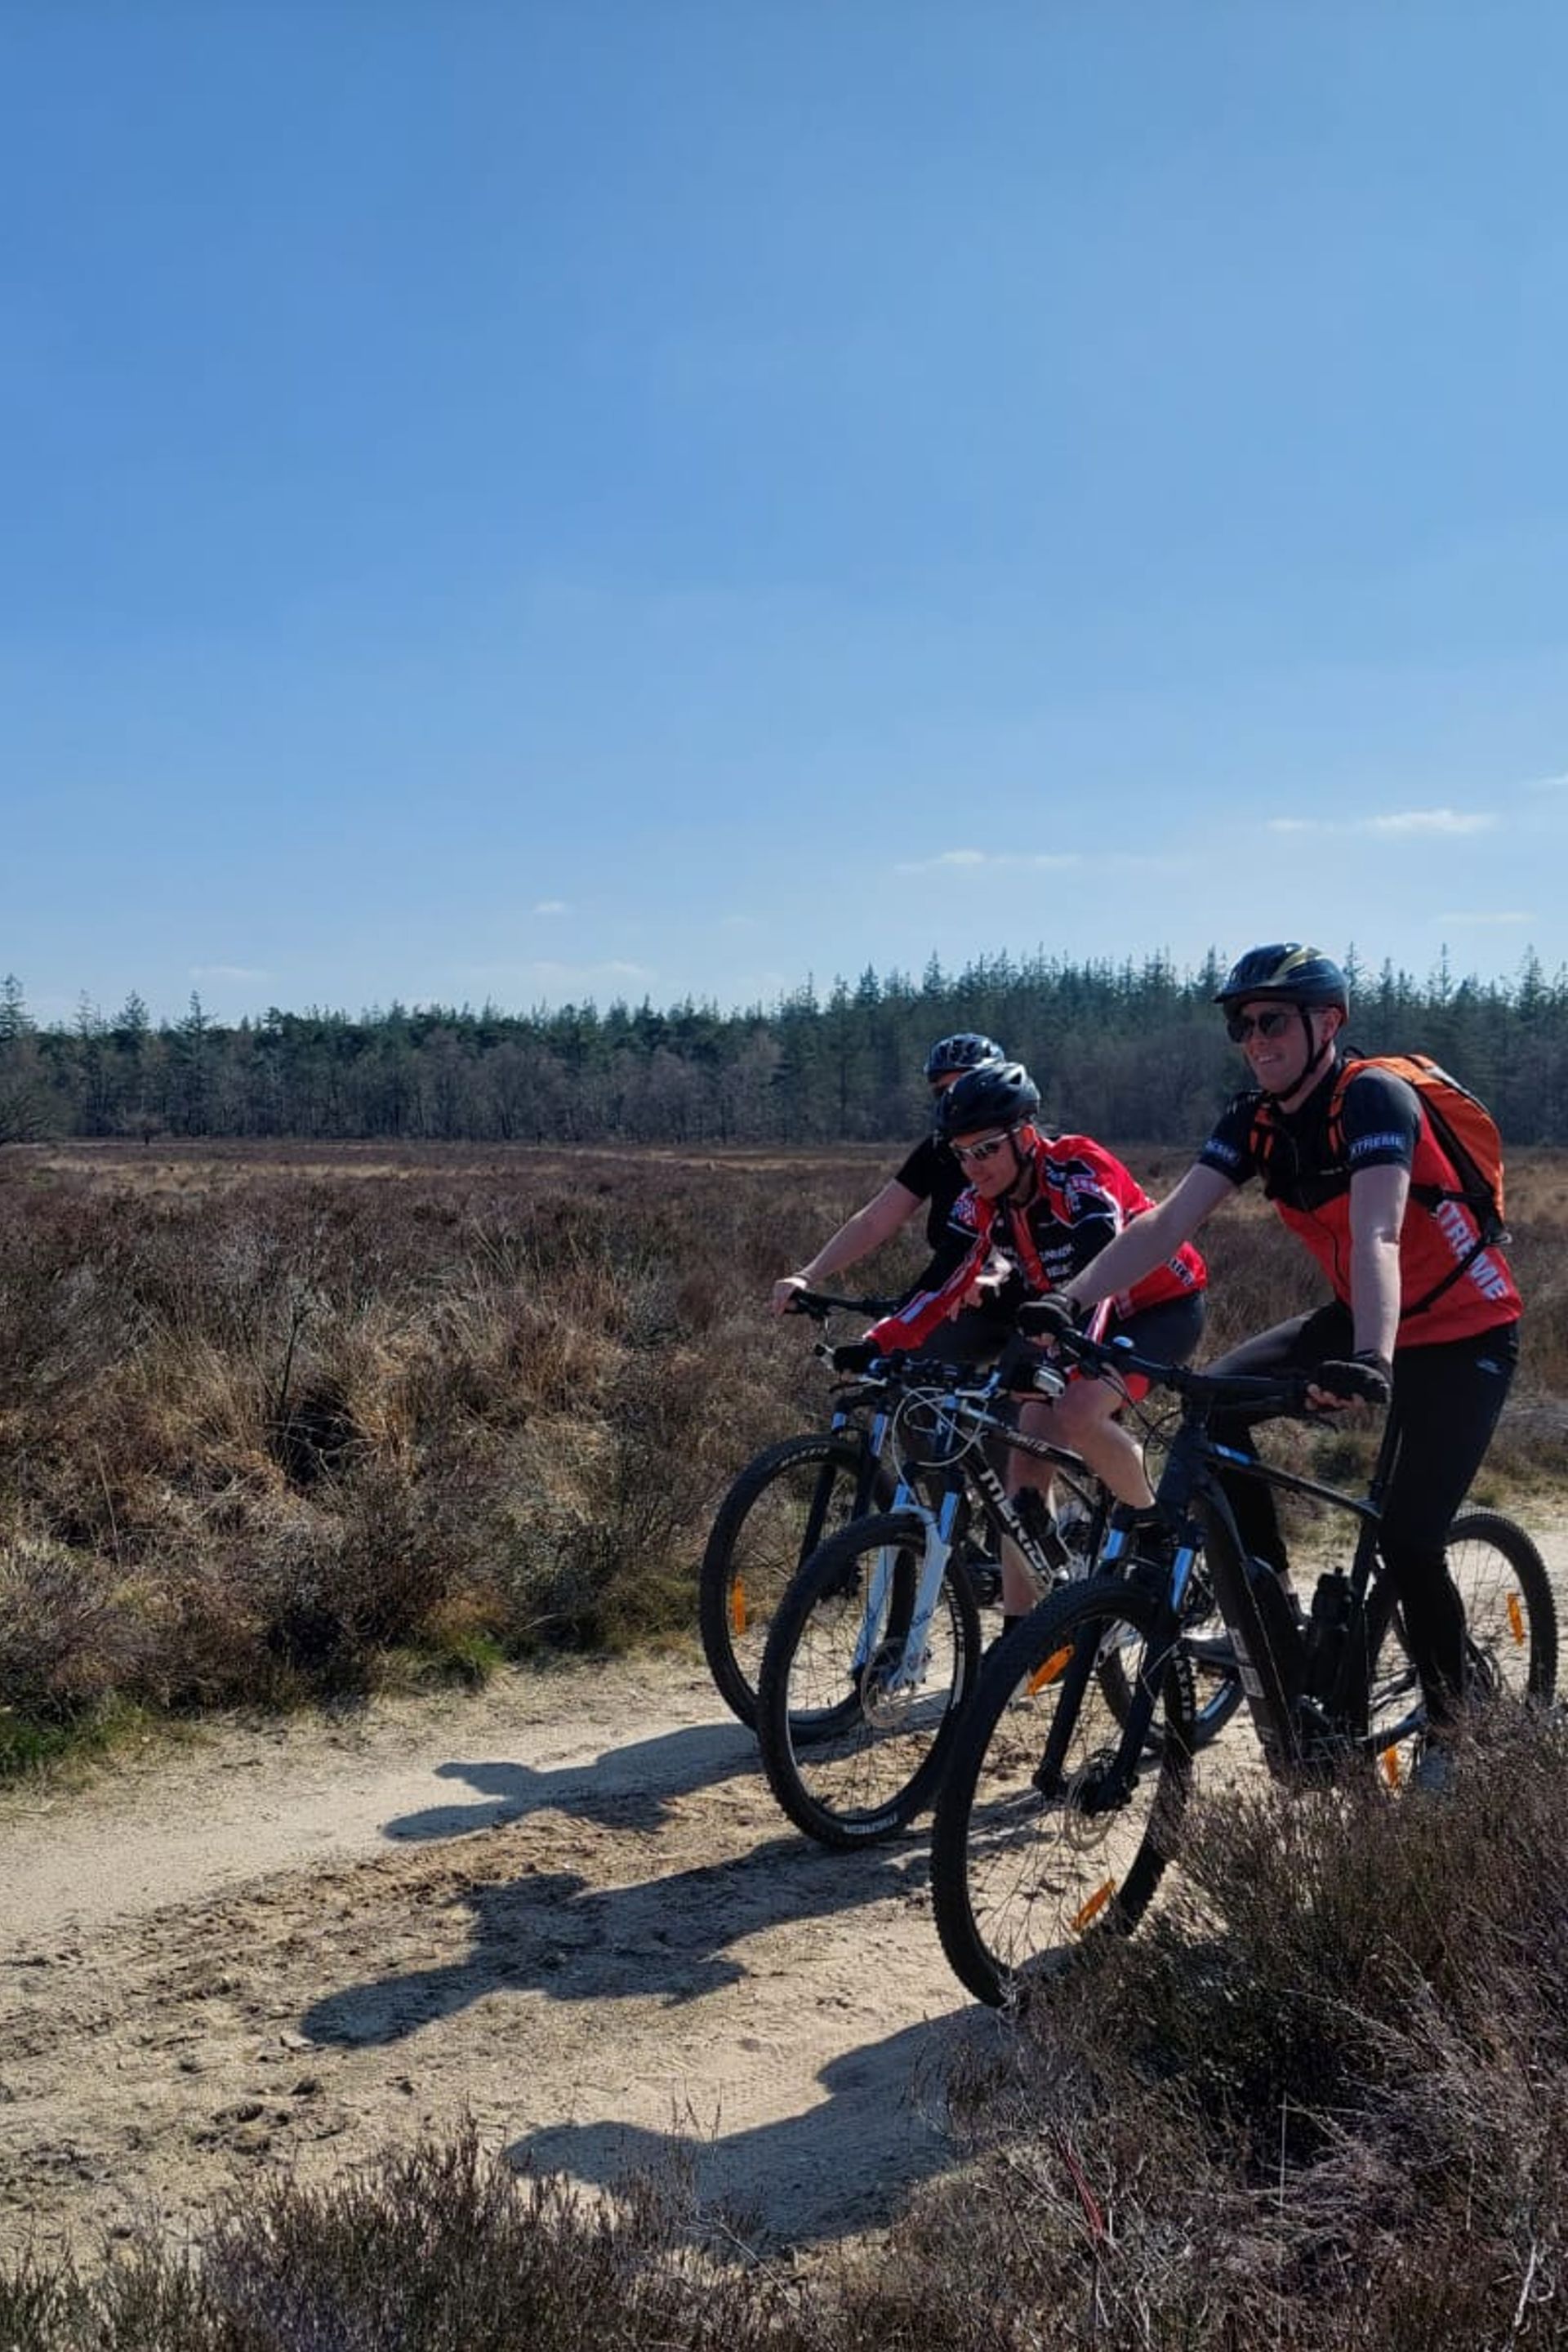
[1083,1197]
[1307,1169]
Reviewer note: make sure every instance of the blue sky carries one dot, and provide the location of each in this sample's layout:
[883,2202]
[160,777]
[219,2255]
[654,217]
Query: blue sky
[662,496]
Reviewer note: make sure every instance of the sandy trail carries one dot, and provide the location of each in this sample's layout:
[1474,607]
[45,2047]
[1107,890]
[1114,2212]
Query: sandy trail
[565,1908]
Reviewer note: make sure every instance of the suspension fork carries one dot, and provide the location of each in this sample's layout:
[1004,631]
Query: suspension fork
[865,1475]
[1115,1784]
[939,1533]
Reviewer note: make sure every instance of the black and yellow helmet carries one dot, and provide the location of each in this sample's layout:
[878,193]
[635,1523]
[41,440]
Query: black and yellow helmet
[1288,971]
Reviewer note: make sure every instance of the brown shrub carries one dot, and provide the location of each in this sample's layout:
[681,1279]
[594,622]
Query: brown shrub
[288,1414]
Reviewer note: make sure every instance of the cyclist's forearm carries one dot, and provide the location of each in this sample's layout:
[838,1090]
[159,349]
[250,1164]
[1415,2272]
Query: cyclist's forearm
[1377,1205]
[847,1247]
[1150,1238]
[858,1235]
[1374,1293]
[1133,1254]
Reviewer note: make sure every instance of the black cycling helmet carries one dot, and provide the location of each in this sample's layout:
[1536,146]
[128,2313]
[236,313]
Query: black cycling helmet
[966,1049]
[1288,972]
[997,1094]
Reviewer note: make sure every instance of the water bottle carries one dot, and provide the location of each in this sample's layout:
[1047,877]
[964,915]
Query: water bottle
[1326,1634]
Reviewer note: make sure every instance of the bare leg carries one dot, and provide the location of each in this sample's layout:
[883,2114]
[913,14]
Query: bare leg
[1083,1420]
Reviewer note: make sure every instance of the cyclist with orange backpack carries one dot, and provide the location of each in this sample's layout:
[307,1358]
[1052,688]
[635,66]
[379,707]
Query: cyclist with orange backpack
[1370,1169]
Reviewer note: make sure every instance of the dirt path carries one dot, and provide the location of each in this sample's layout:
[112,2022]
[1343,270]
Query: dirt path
[565,1908]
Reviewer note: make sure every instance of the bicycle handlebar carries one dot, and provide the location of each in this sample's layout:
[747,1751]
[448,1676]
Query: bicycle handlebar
[1268,1395]
[965,1384]
[820,1304]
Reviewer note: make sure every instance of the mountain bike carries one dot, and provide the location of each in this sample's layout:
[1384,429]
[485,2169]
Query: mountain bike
[875,1645]
[1059,1810]
[784,1504]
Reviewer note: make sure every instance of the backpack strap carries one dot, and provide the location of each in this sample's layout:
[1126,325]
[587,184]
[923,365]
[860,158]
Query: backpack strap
[1425,1196]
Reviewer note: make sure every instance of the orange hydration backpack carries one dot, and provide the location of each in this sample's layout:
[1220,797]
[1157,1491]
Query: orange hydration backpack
[1462,1128]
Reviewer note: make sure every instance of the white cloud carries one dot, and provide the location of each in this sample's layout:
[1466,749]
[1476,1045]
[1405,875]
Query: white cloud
[1547,784]
[546,972]
[225,971]
[739,923]
[984,861]
[1441,821]
[551,907]
[1398,824]
[1476,920]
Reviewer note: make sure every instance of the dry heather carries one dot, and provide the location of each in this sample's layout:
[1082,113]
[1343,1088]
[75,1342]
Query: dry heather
[275,1423]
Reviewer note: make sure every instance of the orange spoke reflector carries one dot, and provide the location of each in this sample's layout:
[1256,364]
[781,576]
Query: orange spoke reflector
[1090,1911]
[1516,1616]
[1389,1760]
[1049,1672]
[737,1610]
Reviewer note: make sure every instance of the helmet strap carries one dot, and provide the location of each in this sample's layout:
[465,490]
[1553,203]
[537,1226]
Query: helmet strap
[1021,1191]
[1318,1057]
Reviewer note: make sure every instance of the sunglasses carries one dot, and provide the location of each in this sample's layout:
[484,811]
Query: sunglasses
[985,1150]
[1273,1023]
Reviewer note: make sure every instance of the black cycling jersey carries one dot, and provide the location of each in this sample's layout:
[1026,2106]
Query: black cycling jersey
[1380,1119]
[932,1174]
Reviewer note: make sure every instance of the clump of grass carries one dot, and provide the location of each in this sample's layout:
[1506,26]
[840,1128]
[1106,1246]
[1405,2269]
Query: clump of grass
[1325,2092]
[437,2249]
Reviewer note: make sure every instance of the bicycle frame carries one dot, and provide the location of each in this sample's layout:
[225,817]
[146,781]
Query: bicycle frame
[1293,1729]
[968,1418]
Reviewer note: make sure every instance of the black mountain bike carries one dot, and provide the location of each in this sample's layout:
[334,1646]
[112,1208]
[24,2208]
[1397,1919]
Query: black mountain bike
[1064,1793]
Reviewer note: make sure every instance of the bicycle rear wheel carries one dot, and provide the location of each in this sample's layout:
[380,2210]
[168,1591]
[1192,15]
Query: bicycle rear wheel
[1510,1635]
[855,1705]
[1035,1848]
[785,1503]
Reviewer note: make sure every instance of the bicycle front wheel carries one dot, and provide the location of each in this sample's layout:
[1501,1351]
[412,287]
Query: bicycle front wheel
[857,1699]
[1511,1634]
[1047,1831]
[781,1507]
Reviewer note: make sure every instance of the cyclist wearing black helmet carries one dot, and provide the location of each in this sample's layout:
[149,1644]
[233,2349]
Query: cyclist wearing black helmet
[1046,1205]
[930,1178]
[1423,1309]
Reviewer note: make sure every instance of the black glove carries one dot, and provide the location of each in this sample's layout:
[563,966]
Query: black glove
[1048,1317]
[1024,1369]
[854,1356]
[1367,1377]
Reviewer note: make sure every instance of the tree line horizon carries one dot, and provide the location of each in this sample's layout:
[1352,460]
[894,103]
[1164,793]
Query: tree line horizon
[1125,1051]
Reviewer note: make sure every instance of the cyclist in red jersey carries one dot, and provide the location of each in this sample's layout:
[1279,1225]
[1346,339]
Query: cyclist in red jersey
[929,1177]
[1425,1312]
[1047,1206]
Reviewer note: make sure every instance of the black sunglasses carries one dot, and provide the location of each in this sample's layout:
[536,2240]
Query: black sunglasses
[1271,1022]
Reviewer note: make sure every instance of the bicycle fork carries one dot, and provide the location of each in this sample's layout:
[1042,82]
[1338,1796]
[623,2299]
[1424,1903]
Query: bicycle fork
[901,1668]
[1111,1779]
